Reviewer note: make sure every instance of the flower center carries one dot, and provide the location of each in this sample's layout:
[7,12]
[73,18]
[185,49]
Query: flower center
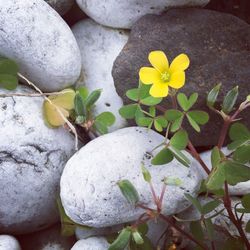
[165,76]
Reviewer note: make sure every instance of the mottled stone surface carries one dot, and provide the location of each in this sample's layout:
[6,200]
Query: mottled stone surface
[123,14]
[8,242]
[32,158]
[61,6]
[92,243]
[89,191]
[99,48]
[39,40]
[217,44]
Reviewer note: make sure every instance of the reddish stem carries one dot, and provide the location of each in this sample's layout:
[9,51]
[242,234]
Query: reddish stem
[226,199]
[196,155]
[190,237]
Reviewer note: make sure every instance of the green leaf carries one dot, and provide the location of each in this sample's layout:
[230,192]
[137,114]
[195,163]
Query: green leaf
[143,90]
[83,92]
[242,154]
[162,121]
[100,127]
[197,230]
[146,174]
[183,101]
[248,227]
[200,117]
[210,228]
[215,157]
[129,191]
[150,101]
[193,123]
[230,100]
[92,98]
[179,156]
[236,172]
[210,206]
[173,114]
[137,238]
[144,121]
[179,140]
[172,181]
[216,178]
[238,143]
[9,82]
[8,66]
[212,95]
[239,131]
[133,94]
[122,240]
[138,114]
[79,105]
[152,111]
[186,103]
[163,157]
[106,118]
[246,201]
[143,229]
[128,111]
[195,202]
[176,125]
[158,126]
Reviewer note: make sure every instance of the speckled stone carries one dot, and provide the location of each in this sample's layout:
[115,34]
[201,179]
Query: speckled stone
[123,14]
[92,243]
[217,45]
[89,191]
[8,242]
[32,158]
[99,48]
[39,40]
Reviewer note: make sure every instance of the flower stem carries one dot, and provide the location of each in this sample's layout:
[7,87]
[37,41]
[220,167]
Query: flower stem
[190,237]
[196,155]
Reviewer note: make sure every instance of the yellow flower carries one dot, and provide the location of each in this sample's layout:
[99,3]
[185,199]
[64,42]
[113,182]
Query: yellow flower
[161,75]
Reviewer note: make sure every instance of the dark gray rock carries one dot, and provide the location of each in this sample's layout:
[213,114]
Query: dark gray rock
[217,44]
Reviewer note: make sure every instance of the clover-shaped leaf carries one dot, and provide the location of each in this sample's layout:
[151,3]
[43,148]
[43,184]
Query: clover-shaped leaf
[186,103]
[196,118]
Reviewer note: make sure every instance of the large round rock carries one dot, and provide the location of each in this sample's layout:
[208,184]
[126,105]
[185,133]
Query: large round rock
[123,14]
[89,190]
[217,45]
[38,39]
[32,158]
[99,48]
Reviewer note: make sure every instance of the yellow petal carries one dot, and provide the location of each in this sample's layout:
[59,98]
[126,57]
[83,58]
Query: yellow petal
[180,63]
[158,60]
[149,75]
[177,79]
[159,90]
[65,99]
[52,116]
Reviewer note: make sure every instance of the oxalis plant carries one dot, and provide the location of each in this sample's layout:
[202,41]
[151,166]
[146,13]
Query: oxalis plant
[72,107]
[156,83]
